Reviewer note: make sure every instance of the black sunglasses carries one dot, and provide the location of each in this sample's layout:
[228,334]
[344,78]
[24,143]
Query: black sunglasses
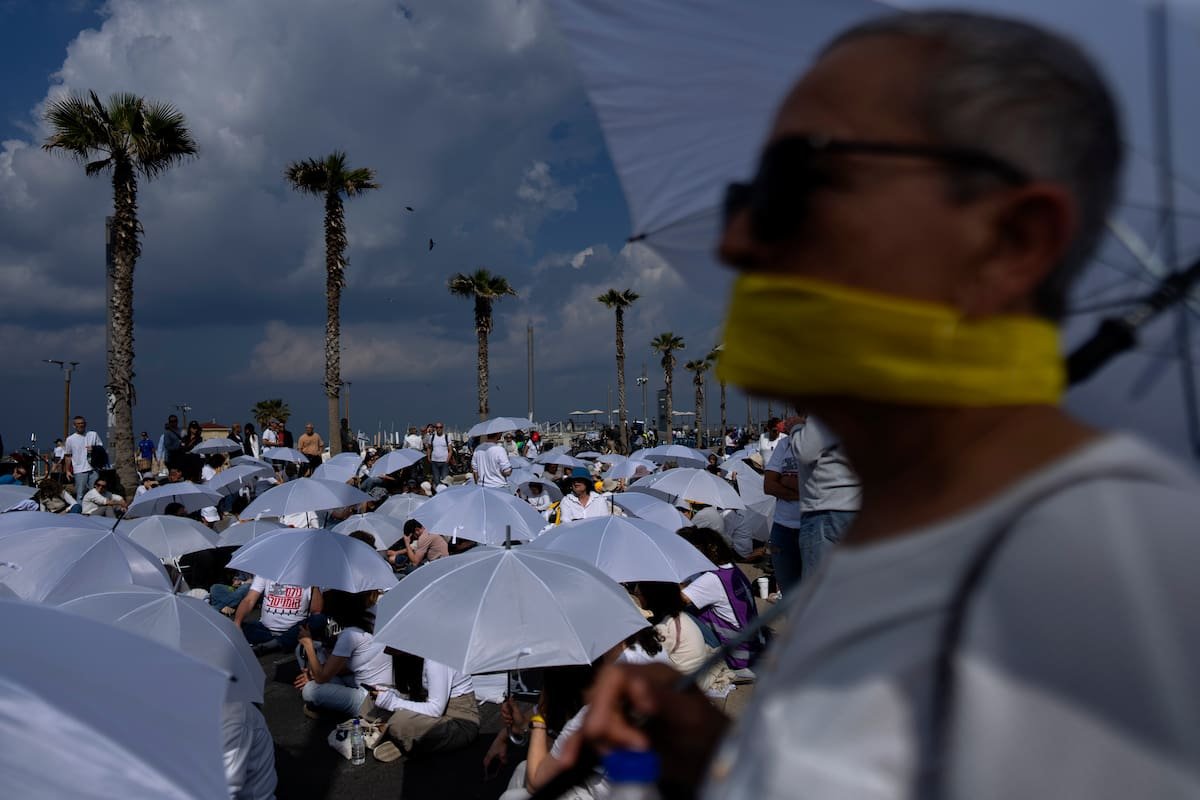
[791,168]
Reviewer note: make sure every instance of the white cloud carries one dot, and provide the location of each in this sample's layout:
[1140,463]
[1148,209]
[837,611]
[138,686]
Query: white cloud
[580,258]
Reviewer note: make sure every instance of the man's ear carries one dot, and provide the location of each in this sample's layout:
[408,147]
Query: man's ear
[1031,229]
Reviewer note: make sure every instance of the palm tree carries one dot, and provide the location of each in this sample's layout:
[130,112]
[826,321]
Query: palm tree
[699,367]
[266,410]
[665,344]
[332,179]
[126,136]
[618,301]
[484,288]
[713,356]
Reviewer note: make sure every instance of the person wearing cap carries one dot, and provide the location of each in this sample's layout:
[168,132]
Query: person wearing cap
[149,481]
[581,502]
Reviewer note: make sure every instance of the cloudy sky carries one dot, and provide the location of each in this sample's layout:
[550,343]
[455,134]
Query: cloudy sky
[470,112]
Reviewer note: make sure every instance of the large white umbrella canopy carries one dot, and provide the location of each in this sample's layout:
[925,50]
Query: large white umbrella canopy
[341,467]
[314,557]
[288,454]
[481,514]
[395,461]
[562,460]
[211,446]
[626,549]
[610,458]
[11,494]
[694,485]
[631,468]
[141,719]
[56,564]
[191,496]
[17,521]
[303,495]
[229,481]
[169,537]
[384,529]
[512,609]
[241,533]
[519,462]
[184,623]
[252,461]
[402,506]
[521,480]
[499,425]
[683,456]
[648,507]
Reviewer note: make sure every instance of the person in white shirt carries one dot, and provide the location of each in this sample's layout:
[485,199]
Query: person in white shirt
[582,502]
[270,435]
[285,609]
[489,463]
[531,449]
[249,752]
[438,453]
[769,440]
[431,708]
[100,502]
[1012,611]
[76,458]
[413,440]
[830,493]
[781,480]
[357,660]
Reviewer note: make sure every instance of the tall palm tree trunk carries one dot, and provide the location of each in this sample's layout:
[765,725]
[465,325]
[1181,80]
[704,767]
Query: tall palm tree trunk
[699,412]
[335,242]
[483,324]
[667,381]
[623,432]
[120,313]
[724,425]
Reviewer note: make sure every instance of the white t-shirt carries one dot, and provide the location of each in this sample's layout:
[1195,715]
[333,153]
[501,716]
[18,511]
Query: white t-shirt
[207,473]
[531,449]
[784,461]
[766,446]
[707,590]
[269,438]
[413,442]
[441,681]
[490,462]
[282,605]
[827,481]
[365,657]
[439,447]
[598,506]
[1077,669]
[59,452]
[93,500]
[249,753]
[76,447]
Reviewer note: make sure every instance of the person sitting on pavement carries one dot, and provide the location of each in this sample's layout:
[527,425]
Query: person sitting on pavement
[432,708]
[100,502]
[285,608]
[52,498]
[419,545]
[335,681]
[682,638]
[724,598]
[581,502]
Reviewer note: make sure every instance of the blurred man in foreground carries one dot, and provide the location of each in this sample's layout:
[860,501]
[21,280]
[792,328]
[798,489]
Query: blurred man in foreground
[1010,613]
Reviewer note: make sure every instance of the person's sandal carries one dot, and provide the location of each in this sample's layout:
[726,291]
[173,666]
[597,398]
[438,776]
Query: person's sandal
[386,752]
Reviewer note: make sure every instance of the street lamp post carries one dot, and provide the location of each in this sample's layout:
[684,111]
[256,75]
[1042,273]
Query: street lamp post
[641,381]
[67,368]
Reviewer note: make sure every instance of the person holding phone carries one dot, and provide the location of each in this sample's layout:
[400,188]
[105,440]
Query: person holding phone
[355,662]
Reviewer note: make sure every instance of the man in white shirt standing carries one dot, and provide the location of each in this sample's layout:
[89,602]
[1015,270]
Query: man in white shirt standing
[438,453]
[413,440]
[77,458]
[830,493]
[781,480]
[489,463]
[769,440]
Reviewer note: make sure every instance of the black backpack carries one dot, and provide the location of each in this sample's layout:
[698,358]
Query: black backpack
[98,457]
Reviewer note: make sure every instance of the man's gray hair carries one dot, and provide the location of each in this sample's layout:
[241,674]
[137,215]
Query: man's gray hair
[1025,95]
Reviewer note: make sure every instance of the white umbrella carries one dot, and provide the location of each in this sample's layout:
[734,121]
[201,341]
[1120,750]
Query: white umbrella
[518,608]
[562,460]
[303,495]
[340,468]
[241,533]
[739,456]
[229,481]
[56,564]
[384,529]
[314,557]
[169,538]
[191,496]
[481,514]
[523,481]
[519,462]
[11,494]
[631,468]
[589,455]
[141,719]
[288,454]
[183,623]
[626,549]
[694,485]
[18,521]
[222,445]
[683,456]
[610,458]
[395,461]
[402,506]
[650,508]
[498,425]
[251,460]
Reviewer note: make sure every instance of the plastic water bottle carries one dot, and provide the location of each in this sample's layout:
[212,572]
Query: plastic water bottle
[632,775]
[358,745]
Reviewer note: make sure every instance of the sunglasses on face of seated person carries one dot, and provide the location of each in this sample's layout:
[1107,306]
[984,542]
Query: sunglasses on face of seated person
[792,168]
